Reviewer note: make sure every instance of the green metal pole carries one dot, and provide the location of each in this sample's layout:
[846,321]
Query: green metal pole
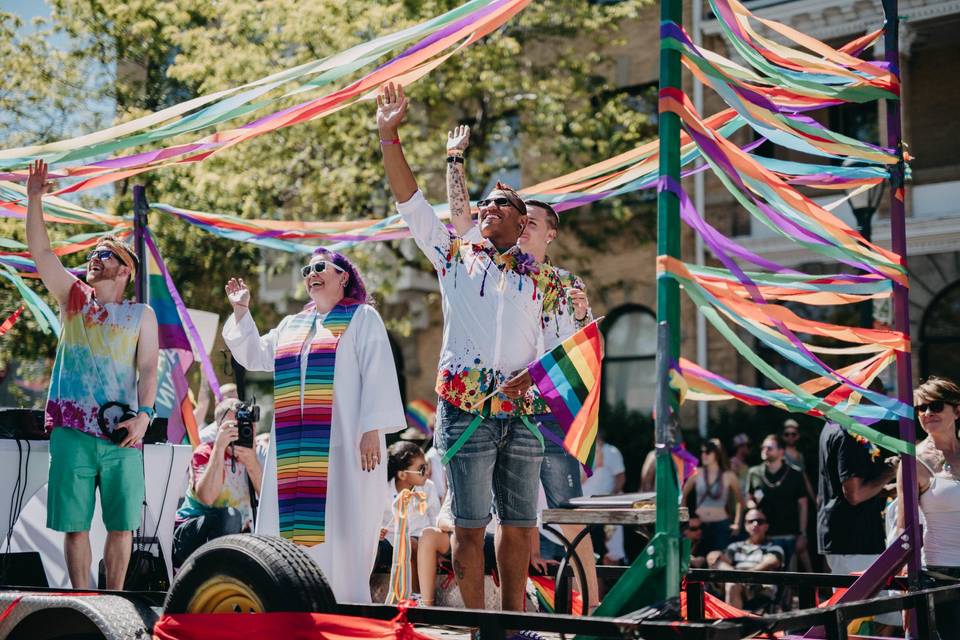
[668,310]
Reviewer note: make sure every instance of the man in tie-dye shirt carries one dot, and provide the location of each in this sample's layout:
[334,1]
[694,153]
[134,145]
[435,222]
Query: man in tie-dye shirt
[102,390]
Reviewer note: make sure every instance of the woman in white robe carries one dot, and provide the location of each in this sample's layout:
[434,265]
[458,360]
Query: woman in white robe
[366,405]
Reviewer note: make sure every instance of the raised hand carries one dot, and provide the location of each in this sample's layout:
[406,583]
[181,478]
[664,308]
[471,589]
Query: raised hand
[239,296]
[458,140]
[37,183]
[391,109]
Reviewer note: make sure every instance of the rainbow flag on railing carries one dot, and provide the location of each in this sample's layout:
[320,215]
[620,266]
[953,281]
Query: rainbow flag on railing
[568,378]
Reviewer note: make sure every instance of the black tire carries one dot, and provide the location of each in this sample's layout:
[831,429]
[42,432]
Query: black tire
[280,575]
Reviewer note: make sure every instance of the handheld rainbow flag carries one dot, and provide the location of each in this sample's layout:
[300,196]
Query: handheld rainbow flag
[568,378]
[421,415]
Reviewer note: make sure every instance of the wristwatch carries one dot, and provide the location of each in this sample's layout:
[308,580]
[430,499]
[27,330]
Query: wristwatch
[147,410]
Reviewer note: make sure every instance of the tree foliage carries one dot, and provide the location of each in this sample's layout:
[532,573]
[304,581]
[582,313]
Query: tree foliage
[539,81]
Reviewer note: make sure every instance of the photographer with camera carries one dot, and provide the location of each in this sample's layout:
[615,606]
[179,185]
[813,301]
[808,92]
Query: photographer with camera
[225,477]
[100,402]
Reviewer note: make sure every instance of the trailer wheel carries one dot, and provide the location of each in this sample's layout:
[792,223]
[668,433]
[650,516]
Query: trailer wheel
[249,574]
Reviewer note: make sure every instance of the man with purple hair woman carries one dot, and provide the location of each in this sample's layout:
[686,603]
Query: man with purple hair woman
[335,396]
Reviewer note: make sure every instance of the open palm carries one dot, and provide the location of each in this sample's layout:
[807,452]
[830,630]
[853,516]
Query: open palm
[458,139]
[391,108]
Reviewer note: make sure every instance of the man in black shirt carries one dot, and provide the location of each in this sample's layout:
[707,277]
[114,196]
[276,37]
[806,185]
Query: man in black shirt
[850,529]
[778,490]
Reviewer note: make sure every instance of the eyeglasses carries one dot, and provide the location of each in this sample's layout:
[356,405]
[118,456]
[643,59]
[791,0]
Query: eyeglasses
[704,452]
[791,434]
[756,521]
[935,406]
[693,528]
[500,202]
[769,447]
[420,471]
[319,267]
[102,254]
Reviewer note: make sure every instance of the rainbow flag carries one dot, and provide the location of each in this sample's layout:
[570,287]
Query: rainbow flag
[421,415]
[568,378]
[546,590]
[176,355]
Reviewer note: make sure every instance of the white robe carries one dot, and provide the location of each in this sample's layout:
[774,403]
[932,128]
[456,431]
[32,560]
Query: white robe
[366,396]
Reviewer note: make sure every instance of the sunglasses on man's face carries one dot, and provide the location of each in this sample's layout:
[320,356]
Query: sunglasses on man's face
[756,521]
[936,406]
[102,254]
[790,434]
[318,267]
[500,202]
[693,528]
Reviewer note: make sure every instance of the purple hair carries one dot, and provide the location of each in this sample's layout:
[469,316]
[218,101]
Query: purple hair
[355,292]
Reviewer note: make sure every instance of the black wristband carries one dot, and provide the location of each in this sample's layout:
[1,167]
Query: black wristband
[452,159]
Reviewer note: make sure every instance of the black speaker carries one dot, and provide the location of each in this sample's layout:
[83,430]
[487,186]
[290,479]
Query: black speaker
[25,424]
[22,569]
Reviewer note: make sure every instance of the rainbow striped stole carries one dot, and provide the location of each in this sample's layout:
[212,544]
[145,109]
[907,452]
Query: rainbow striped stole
[303,432]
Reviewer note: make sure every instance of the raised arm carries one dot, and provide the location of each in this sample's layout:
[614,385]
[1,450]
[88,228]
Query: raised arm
[56,278]
[253,351]
[457,197]
[391,108]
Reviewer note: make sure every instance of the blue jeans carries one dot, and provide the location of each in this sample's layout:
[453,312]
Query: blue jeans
[560,471]
[502,454]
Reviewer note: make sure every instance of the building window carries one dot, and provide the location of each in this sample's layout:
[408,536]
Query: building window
[629,362]
[940,335]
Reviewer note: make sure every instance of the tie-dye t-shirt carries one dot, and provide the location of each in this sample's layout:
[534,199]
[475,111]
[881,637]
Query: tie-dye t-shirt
[96,360]
[235,492]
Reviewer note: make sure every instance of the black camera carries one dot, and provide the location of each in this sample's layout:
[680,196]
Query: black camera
[247,417]
[110,415]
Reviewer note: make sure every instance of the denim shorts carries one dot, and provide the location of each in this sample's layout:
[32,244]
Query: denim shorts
[500,462]
[560,471]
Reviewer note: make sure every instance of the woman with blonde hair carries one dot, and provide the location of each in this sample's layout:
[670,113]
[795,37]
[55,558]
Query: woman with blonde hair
[937,402]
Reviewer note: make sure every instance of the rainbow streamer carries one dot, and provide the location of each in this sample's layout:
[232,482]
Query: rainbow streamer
[421,415]
[440,39]
[568,378]
[771,94]
[303,428]
[400,586]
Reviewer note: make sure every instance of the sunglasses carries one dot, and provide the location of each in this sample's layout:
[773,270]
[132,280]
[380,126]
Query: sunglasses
[693,528]
[790,434]
[102,254]
[757,521]
[318,267]
[420,471]
[500,202]
[935,406]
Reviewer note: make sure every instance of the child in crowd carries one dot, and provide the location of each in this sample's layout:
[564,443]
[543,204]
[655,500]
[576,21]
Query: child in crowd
[407,469]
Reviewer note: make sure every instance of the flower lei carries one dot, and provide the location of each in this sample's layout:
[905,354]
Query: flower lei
[871,448]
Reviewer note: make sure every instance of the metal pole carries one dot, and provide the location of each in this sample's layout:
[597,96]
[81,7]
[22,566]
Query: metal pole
[140,210]
[864,216]
[699,200]
[901,303]
[668,308]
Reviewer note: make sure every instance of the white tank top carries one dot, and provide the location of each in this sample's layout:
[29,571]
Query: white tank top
[940,504]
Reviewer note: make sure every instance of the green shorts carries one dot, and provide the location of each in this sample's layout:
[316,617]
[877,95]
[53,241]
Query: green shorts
[79,463]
